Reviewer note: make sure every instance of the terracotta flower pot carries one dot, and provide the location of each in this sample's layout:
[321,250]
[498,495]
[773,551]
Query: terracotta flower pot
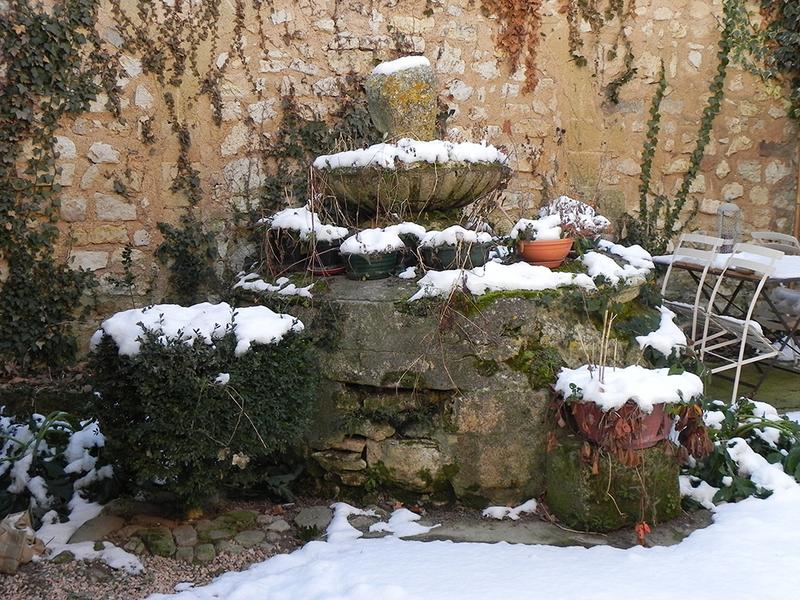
[627,428]
[546,253]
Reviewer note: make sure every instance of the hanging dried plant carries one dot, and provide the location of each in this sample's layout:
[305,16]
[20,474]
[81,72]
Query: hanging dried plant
[519,37]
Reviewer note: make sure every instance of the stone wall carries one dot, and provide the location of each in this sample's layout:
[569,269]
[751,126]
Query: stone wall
[424,399]
[563,137]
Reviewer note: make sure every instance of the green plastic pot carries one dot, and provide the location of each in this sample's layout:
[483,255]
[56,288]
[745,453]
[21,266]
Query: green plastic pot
[463,256]
[373,266]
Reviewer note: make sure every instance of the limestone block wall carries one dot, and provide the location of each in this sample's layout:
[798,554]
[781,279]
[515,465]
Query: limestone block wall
[444,400]
[564,137]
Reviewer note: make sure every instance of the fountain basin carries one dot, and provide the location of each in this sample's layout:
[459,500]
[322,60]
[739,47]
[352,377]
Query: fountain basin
[414,188]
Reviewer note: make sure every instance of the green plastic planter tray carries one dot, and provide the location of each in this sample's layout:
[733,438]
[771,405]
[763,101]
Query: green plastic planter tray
[464,256]
[374,266]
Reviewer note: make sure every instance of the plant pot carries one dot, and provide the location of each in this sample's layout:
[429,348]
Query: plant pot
[462,256]
[546,253]
[326,260]
[285,252]
[372,266]
[627,428]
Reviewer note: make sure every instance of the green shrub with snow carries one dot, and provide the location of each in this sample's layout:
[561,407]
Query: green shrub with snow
[192,409]
[753,448]
[44,461]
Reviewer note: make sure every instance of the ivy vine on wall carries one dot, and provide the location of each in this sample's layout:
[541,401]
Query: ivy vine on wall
[55,66]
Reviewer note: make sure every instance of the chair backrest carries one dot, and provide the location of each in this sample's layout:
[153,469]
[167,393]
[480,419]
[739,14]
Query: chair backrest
[774,237]
[697,249]
[755,260]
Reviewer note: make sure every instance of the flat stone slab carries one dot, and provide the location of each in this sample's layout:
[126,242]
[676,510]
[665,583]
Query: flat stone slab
[535,531]
[314,516]
[97,529]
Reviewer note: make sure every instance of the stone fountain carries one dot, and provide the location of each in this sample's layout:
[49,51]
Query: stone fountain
[411,173]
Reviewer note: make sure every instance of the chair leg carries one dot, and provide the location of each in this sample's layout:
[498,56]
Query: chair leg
[736,382]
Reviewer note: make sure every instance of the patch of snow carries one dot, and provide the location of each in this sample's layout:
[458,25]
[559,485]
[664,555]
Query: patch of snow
[409,273]
[209,322]
[339,529]
[546,228]
[794,416]
[502,512]
[667,338]
[252,282]
[372,241]
[407,151]
[634,255]
[600,264]
[401,64]
[698,490]
[306,223]
[55,536]
[402,523]
[453,236]
[748,537]
[645,387]
[761,472]
[713,419]
[222,379]
[576,216]
[497,277]
[406,228]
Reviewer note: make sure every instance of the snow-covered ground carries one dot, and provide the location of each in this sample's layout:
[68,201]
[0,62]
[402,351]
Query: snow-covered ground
[751,550]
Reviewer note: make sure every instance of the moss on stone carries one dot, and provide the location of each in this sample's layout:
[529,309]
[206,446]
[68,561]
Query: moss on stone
[485,367]
[539,363]
[617,495]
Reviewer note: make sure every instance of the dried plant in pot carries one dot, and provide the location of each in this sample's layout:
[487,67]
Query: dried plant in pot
[547,241]
[411,235]
[455,248]
[539,242]
[297,239]
[371,254]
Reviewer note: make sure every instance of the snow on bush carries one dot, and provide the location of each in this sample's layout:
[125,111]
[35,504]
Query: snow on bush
[546,228]
[494,277]
[408,152]
[207,398]
[638,263]
[45,461]
[756,452]
[453,236]
[306,223]
[205,321]
[668,338]
[645,387]
[577,218]
[252,282]
[372,241]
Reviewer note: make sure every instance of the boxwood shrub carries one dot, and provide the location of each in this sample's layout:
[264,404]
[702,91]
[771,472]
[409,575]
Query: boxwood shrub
[188,418]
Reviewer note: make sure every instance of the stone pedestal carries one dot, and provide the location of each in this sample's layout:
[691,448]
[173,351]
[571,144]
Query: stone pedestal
[403,104]
[604,494]
[431,398]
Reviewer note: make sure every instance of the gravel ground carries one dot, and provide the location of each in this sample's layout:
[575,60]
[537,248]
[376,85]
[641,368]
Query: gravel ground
[85,580]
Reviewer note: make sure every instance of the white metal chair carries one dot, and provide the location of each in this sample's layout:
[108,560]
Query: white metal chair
[759,262]
[696,249]
[777,241]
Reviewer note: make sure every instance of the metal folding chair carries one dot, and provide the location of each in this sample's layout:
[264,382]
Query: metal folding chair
[757,262]
[777,241]
[700,250]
